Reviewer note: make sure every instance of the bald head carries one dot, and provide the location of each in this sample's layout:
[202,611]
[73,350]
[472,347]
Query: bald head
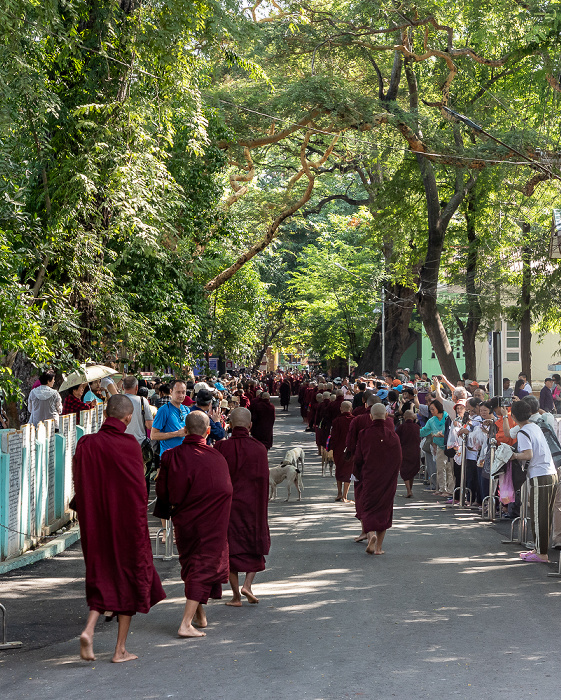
[326,394]
[339,392]
[378,412]
[346,407]
[408,415]
[265,395]
[197,423]
[373,400]
[240,418]
[119,406]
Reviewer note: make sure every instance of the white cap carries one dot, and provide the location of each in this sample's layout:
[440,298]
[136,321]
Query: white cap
[201,385]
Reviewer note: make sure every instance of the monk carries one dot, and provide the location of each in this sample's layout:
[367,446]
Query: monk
[323,424]
[111,502]
[248,532]
[263,419]
[194,488]
[377,463]
[303,390]
[334,408]
[337,442]
[285,391]
[409,434]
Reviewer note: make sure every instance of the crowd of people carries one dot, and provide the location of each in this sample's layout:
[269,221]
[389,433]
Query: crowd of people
[205,442]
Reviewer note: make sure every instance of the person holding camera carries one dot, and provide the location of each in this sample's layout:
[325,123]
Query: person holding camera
[208,404]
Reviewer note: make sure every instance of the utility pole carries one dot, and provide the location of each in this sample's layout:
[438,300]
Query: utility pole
[383,328]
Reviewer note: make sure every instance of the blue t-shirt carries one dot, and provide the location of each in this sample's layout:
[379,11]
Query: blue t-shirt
[169,419]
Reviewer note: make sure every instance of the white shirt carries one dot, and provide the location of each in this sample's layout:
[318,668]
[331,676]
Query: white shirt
[137,426]
[547,417]
[541,463]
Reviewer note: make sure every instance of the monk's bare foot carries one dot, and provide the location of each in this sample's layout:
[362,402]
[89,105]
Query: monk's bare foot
[362,537]
[346,500]
[235,603]
[380,552]
[122,656]
[86,647]
[189,631]
[200,618]
[249,595]
[371,545]
[339,498]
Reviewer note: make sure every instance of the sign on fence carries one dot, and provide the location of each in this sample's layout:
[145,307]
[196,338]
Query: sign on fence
[36,478]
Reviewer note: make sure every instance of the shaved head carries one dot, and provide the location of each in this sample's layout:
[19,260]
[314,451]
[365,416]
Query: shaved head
[373,400]
[265,395]
[119,406]
[197,423]
[409,415]
[378,412]
[346,407]
[240,417]
[339,392]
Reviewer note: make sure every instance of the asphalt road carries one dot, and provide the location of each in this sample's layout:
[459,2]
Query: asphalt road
[448,611]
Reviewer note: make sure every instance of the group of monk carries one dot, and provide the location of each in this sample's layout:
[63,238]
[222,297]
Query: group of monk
[368,449]
[215,496]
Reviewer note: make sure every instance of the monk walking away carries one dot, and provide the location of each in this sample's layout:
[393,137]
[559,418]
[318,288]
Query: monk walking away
[409,434]
[377,463]
[248,531]
[343,466]
[195,490]
[111,502]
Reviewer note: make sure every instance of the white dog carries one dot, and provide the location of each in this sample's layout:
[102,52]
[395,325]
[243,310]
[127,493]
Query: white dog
[295,456]
[278,474]
[326,461]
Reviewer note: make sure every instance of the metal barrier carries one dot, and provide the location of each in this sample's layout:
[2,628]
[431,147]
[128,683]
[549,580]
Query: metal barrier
[462,487]
[521,521]
[491,499]
[5,644]
[168,554]
[557,574]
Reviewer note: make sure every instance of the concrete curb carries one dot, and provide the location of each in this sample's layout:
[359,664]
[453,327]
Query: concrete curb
[45,551]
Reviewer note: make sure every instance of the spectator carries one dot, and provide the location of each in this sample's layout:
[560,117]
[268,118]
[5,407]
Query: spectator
[44,402]
[169,424]
[73,402]
[542,477]
[164,395]
[546,396]
[519,390]
[508,391]
[527,386]
[556,392]
[204,403]
[140,424]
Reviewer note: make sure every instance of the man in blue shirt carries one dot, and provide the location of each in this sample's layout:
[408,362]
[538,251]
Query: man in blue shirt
[169,424]
[204,403]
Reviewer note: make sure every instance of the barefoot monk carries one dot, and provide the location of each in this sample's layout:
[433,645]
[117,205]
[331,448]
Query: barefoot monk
[248,532]
[111,503]
[194,488]
[377,463]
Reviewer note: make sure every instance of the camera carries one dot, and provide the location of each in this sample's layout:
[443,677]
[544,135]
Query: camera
[505,401]
[215,404]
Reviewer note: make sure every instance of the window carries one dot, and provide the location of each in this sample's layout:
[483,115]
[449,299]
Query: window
[512,343]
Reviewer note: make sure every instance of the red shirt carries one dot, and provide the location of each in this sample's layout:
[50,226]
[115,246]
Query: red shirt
[74,405]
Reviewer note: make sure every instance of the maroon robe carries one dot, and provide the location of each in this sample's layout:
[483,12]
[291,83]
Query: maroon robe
[111,503]
[334,409]
[248,532]
[284,392]
[360,410]
[194,483]
[337,442]
[262,421]
[301,400]
[312,413]
[377,463]
[323,426]
[410,439]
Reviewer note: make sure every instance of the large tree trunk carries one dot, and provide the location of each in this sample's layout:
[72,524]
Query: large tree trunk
[400,302]
[526,317]
[470,328]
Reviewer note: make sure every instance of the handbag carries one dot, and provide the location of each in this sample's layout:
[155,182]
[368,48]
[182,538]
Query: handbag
[426,445]
[146,444]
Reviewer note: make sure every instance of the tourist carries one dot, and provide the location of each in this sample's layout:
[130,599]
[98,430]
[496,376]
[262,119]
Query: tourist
[44,402]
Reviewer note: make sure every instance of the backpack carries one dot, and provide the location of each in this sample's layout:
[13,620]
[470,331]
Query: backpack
[552,441]
[448,451]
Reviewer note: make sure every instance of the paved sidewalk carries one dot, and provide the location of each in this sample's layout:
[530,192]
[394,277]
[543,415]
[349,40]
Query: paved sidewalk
[448,611]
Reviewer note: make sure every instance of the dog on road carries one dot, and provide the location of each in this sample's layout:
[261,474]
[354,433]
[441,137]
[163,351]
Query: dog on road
[288,473]
[295,456]
[326,461]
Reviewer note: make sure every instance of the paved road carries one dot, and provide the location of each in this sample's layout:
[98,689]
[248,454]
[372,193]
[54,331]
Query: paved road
[447,612]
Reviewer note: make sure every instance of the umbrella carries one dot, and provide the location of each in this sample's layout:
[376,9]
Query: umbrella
[86,374]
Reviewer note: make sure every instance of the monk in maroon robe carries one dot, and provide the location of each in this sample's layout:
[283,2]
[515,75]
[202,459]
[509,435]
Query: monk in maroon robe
[248,532]
[194,488]
[301,400]
[111,502]
[334,408]
[377,463]
[337,442]
[410,438]
[323,425]
[263,419]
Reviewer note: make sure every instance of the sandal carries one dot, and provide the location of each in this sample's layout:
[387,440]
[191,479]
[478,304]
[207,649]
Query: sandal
[532,557]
